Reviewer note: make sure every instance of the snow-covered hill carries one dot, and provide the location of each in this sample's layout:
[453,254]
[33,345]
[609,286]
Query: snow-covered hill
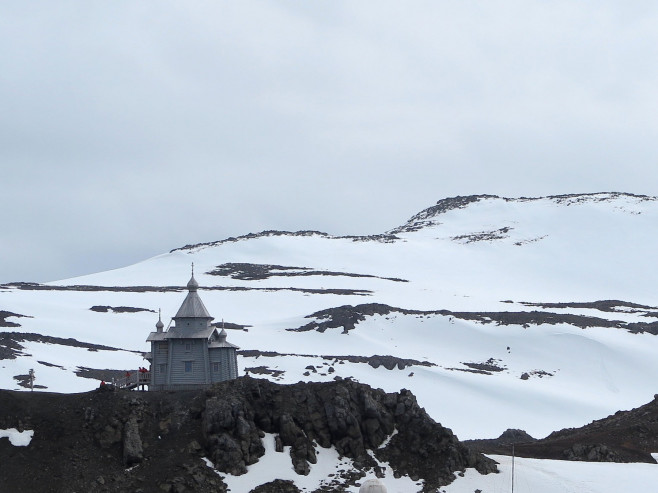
[497,313]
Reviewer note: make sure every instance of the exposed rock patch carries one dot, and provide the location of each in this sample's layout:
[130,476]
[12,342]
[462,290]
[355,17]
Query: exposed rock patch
[10,346]
[602,305]
[498,234]
[164,289]
[24,381]
[105,375]
[252,272]
[387,361]
[230,326]
[264,370]
[384,238]
[489,366]
[348,316]
[4,315]
[118,309]
[423,218]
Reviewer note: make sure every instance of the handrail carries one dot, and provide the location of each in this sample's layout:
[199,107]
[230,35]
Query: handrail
[133,379]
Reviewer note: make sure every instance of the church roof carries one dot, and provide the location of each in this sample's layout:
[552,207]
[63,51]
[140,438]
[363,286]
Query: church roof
[219,340]
[222,344]
[186,333]
[192,306]
[156,336]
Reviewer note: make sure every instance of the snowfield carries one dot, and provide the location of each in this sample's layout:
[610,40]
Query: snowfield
[551,476]
[477,375]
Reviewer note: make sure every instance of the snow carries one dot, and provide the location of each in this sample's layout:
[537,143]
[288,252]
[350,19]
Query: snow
[550,476]
[54,366]
[17,438]
[536,475]
[278,465]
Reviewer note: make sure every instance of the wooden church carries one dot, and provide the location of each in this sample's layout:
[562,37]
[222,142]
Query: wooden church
[192,353]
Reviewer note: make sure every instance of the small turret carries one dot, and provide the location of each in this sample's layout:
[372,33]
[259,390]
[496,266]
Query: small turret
[159,326]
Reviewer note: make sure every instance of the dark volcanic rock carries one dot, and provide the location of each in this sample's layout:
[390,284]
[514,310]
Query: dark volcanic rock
[502,444]
[387,361]
[118,309]
[10,346]
[626,436]
[80,439]
[348,316]
[252,272]
[591,453]
[277,486]
[3,319]
[29,286]
[347,415]
[132,443]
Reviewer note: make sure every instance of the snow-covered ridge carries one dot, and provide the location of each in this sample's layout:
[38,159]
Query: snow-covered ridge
[425,217]
[500,303]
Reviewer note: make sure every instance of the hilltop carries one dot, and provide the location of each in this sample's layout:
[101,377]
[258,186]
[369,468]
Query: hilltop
[106,441]
[540,310]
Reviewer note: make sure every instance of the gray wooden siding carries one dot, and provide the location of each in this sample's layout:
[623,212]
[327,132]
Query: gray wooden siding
[223,364]
[160,355]
[191,323]
[187,350]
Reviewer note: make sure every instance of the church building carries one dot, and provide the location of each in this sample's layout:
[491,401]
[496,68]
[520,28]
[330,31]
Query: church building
[192,353]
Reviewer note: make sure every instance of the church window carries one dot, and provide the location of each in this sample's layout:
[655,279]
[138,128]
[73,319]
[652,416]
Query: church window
[188,346]
[215,367]
[188,366]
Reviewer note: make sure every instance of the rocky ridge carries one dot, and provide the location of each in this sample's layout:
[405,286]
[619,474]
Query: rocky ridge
[626,436]
[155,441]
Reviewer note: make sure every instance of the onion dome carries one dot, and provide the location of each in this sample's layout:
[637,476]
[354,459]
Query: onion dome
[159,326]
[372,486]
[192,285]
[222,336]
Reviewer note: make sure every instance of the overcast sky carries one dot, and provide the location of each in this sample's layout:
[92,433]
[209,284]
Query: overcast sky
[131,128]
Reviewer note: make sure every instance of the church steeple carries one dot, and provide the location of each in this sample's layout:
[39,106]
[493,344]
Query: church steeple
[192,285]
[192,306]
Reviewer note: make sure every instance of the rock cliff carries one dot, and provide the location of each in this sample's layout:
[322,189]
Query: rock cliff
[155,441]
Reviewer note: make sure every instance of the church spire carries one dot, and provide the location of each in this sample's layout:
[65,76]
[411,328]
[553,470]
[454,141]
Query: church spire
[192,285]
[192,306]
[159,326]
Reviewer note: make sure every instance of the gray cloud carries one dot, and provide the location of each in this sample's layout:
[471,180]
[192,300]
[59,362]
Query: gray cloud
[129,128]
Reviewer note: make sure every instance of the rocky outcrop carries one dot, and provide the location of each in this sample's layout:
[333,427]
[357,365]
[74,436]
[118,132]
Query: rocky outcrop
[626,436]
[232,438]
[591,453]
[352,417]
[93,441]
[132,443]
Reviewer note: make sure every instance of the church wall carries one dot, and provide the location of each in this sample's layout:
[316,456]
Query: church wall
[160,355]
[223,364]
[187,354]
